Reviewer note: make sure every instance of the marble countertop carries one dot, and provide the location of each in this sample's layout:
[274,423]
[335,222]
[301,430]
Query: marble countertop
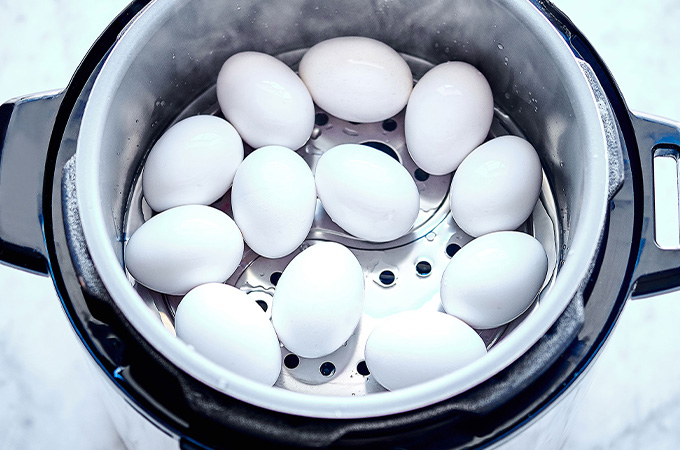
[49,400]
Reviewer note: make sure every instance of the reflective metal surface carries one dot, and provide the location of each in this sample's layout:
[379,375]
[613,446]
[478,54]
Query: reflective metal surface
[434,235]
[170,55]
[658,269]
[447,430]
[25,130]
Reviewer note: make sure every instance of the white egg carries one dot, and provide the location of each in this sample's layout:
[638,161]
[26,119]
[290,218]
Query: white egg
[494,278]
[265,101]
[318,300]
[366,192]
[413,347]
[356,78]
[448,115]
[221,323]
[194,162]
[274,200]
[182,247]
[496,186]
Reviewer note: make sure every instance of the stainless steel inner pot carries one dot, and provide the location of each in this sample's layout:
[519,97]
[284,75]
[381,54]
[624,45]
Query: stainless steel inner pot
[165,65]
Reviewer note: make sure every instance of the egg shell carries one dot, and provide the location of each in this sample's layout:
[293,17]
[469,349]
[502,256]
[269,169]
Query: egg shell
[494,278]
[357,78]
[221,323]
[183,247]
[413,347]
[318,300]
[448,115]
[366,192]
[496,186]
[274,199]
[265,100]
[193,162]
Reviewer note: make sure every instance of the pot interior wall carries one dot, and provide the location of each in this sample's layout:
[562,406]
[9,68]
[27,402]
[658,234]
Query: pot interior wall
[530,70]
[182,59]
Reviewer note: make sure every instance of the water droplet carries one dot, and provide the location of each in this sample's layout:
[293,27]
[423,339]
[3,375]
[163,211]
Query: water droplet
[430,236]
[222,384]
[507,95]
[350,132]
[446,50]
[500,46]
[436,45]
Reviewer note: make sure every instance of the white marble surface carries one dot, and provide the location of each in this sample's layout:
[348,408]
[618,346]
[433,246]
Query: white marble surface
[47,397]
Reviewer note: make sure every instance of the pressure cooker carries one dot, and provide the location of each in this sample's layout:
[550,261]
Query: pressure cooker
[78,164]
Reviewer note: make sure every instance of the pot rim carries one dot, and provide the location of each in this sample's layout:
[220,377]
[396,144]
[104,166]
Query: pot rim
[572,275]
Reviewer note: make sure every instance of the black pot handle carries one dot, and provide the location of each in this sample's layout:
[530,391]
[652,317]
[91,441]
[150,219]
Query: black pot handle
[657,269]
[25,129]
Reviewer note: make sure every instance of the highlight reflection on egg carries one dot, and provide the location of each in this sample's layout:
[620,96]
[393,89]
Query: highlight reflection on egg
[357,78]
[494,278]
[318,300]
[496,186]
[193,163]
[221,323]
[366,192]
[448,115]
[182,247]
[265,100]
[273,200]
[413,347]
